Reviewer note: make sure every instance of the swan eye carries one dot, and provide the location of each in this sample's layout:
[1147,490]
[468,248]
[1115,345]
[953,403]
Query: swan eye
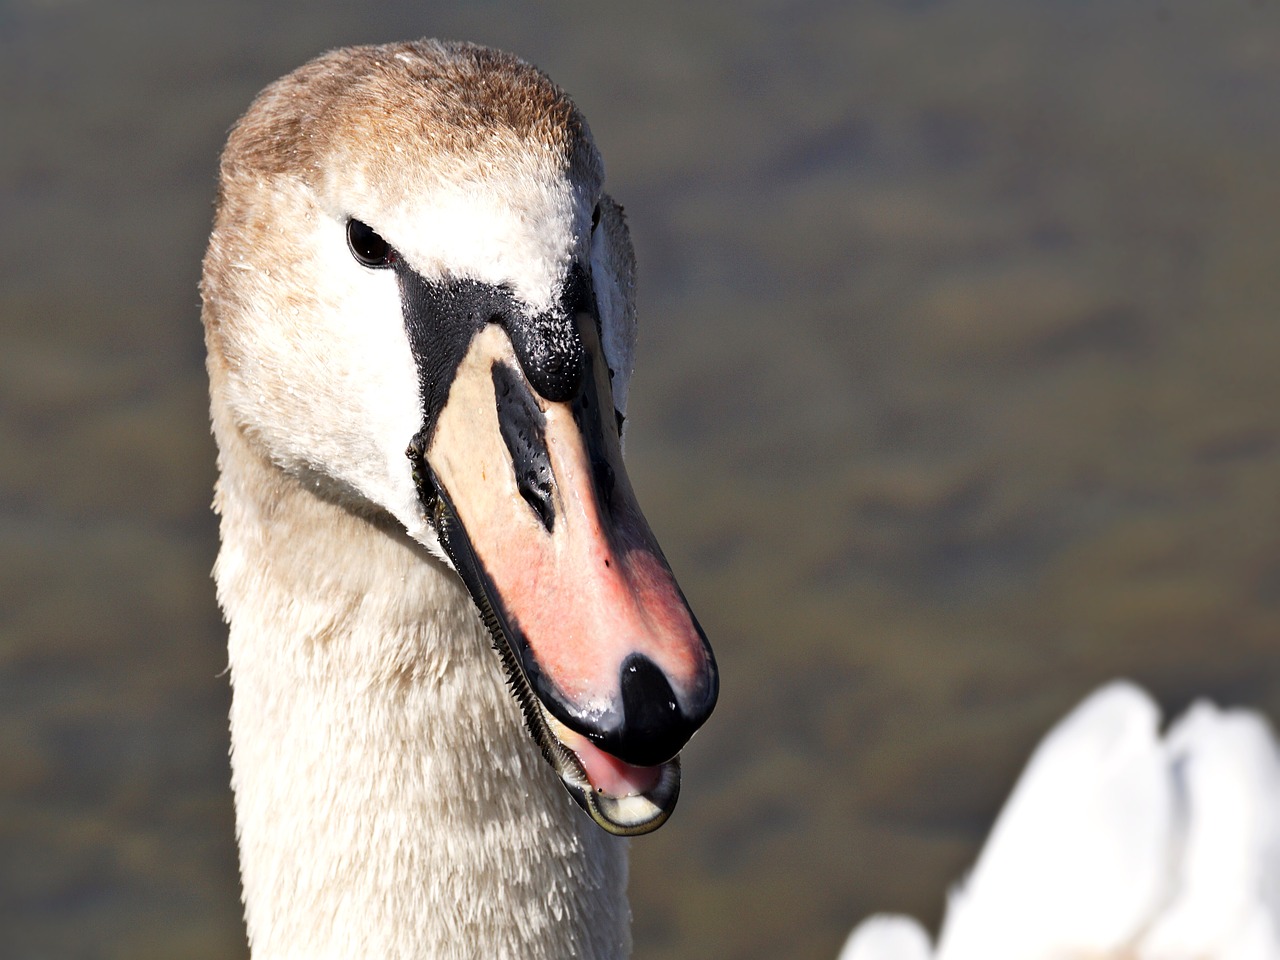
[367,245]
[595,217]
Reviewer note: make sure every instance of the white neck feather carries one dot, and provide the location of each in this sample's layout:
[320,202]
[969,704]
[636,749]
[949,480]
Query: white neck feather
[389,802]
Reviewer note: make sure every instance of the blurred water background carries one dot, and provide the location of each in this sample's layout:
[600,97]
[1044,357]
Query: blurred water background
[958,394]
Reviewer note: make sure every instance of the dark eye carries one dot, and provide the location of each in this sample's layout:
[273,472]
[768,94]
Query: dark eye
[595,217]
[367,246]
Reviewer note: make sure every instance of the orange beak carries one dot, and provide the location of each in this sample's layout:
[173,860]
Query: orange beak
[532,503]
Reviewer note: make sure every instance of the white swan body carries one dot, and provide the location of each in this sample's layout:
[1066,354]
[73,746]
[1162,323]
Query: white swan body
[1119,843]
[412,252]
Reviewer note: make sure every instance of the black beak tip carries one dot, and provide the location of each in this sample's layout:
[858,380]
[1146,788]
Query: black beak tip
[654,726]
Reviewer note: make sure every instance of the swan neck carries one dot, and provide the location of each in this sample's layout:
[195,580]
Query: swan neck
[388,801]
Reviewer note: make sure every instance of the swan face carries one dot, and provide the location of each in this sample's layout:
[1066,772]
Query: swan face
[418,304]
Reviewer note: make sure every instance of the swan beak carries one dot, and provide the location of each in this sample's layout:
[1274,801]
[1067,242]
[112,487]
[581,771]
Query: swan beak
[531,502]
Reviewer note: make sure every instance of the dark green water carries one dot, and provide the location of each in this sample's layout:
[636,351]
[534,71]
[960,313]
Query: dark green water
[959,392]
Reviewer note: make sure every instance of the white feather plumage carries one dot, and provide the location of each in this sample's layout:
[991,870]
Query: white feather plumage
[1118,843]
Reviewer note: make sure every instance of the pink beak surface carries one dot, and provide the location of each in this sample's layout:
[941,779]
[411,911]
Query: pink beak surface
[533,505]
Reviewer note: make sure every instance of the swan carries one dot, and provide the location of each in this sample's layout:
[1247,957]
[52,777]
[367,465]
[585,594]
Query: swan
[456,651]
[1119,843]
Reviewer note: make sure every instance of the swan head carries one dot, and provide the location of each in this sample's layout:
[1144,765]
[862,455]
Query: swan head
[418,304]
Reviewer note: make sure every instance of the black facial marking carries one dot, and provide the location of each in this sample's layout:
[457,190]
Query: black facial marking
[523,428]
[442,316]
[549,346]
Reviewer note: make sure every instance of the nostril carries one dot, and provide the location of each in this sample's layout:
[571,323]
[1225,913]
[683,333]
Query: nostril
[523,429]
[653,728]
